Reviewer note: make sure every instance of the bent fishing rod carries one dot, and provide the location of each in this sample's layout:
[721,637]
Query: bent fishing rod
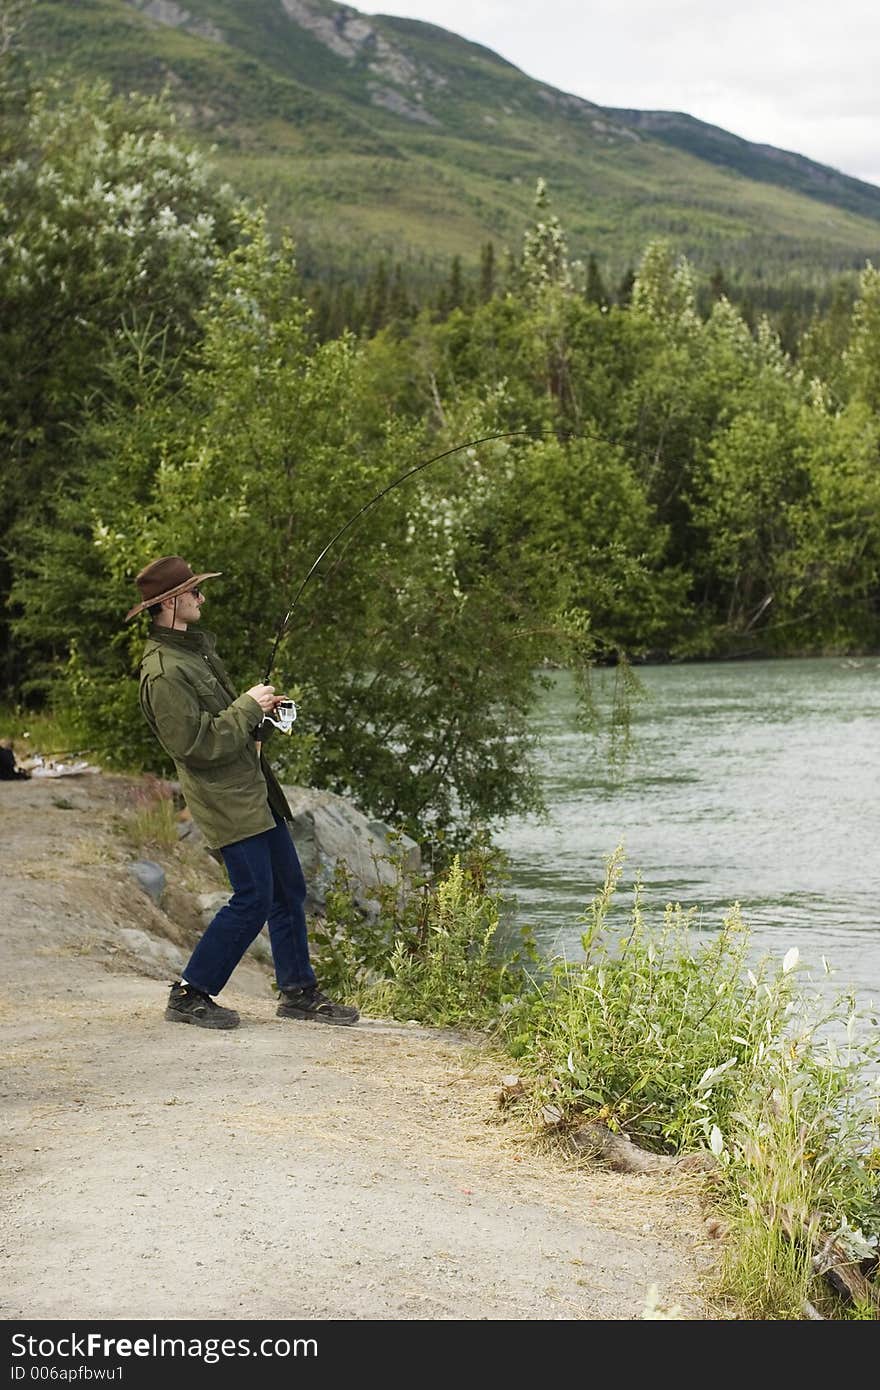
[468,444]
[535,435]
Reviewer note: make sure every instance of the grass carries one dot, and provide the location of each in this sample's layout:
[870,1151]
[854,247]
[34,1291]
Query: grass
[429,955]
[802,1160]
[152,824]
[41,732]
[89,850]
[666,1035]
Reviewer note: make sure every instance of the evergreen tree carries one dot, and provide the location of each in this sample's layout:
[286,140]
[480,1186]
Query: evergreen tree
[487,271]
[349,315]
[399,307]
[625,288]
[664,288]
[718,288]
[455,292]
[545,248]
[595,292]
[376,306]
[862,362]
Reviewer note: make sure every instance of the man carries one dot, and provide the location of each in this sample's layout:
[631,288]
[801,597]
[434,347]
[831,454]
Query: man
[215,738]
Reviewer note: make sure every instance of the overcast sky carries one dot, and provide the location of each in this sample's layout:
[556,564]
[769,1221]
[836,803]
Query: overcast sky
[800,74]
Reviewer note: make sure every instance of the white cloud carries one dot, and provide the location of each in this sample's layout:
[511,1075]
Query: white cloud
[798,74]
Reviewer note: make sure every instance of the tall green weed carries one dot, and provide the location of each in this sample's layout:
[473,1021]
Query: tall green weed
[429,954]
[801,1157]
[646,1032]
[675,1037]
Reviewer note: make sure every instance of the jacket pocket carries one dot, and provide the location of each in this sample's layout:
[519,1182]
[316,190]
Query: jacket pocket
[210,696]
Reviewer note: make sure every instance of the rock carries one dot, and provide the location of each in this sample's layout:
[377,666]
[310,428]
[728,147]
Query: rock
[261,949]
[151,950]
[189,831]
[329,830]
[401,846]
[150,876]
[700,1162]
[209,904]
[616,1151]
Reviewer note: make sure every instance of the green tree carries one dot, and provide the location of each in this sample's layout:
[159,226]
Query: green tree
[376,310]
[109,225]
[455,289]
[623,295]
[15,79]
[718,288]
[823,346]
[664,289]
[579,509]
[487,271]
[595,292]
[415,648]
[545,260]
[862,361]
[400,310]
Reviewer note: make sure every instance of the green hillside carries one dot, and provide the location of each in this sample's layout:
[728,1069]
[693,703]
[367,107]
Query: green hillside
[765,163]
[367,132]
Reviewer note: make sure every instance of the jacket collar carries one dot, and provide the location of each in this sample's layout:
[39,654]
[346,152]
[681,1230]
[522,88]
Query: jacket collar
[195,639]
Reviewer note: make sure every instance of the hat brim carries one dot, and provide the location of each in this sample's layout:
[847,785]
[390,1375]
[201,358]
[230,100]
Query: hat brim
[173,593]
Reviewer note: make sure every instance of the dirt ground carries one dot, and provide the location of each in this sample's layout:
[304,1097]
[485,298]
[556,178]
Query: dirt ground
[283,1170]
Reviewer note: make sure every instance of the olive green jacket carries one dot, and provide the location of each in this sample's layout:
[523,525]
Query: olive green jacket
[209,731]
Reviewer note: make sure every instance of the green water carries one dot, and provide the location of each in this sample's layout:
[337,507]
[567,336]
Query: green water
[753,782]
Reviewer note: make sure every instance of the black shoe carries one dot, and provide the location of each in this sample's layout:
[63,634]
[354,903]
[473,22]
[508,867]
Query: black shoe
[312,1004]
[186,1004]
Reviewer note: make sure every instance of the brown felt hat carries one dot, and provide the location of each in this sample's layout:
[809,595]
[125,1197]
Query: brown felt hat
[166,578]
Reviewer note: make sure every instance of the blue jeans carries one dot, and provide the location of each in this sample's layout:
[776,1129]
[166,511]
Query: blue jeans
[268,886]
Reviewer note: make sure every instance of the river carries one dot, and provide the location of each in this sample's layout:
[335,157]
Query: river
[756,782]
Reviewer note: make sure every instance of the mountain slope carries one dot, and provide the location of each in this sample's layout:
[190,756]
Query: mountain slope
[369,131]
[764,163]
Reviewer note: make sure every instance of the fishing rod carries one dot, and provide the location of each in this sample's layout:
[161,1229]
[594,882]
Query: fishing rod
[59,752]
[468,444]
[562,436]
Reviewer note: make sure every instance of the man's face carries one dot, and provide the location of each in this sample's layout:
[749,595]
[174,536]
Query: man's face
[189,606]
[183,609]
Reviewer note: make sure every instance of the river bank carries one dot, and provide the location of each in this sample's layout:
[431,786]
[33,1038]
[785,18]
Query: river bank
[365,1173]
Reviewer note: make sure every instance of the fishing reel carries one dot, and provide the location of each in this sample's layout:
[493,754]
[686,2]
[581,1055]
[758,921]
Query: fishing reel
[286,711]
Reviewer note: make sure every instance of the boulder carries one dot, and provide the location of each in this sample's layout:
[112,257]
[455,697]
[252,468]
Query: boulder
[151,950]
[150,876]
[329,830]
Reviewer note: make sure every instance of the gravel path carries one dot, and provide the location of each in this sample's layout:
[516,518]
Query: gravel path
[284,1170]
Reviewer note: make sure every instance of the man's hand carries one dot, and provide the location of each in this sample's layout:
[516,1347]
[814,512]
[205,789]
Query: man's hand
[265,697]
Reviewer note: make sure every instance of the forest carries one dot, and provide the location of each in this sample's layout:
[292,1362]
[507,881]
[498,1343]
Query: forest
[676,472]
